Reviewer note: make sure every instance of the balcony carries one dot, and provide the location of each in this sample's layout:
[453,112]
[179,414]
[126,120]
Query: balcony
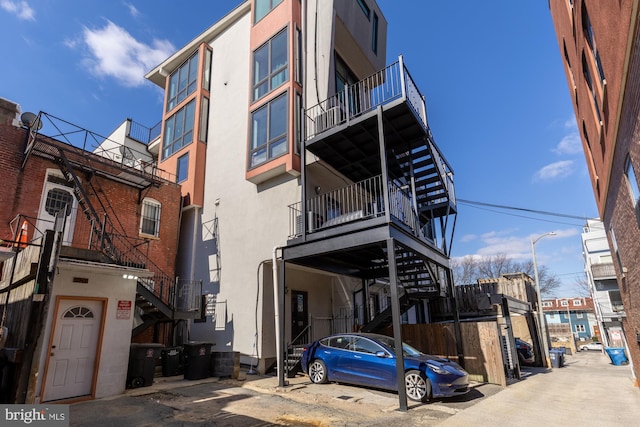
[355,205]
[393,218]
[603,271]
[384,113]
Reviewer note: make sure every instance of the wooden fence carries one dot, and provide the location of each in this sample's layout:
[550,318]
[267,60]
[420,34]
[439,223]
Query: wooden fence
[480,345]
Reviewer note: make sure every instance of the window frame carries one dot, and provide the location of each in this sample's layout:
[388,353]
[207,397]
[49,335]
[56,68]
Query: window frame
[365,8]
[270,141]
[374,33]
[272,5]
[180,166]
[169,148]
[191,84]
[268,78]
[147,201]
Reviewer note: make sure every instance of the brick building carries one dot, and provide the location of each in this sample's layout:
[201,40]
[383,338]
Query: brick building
[88,261]
[600,46]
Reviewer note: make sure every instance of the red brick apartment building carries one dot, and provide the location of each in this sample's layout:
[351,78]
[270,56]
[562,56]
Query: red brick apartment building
[87,260]
[599,43]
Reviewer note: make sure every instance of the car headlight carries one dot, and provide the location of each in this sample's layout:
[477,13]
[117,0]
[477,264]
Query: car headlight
[437,369]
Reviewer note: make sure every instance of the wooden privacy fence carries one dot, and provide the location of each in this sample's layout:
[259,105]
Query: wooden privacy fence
[480,345]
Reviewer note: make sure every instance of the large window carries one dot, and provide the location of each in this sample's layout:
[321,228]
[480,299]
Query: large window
[263,7]
[270,65]
[182,82]
[178,129]
[268,131]
[150,218]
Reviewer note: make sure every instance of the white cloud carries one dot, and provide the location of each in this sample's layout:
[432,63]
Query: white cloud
[132,9]
[468,238]
[515,246]
[19,8]
[569,144]
[113,52]
[555,170]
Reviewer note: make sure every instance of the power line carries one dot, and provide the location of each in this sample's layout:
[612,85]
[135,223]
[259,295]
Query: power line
[529,217]
[514,208]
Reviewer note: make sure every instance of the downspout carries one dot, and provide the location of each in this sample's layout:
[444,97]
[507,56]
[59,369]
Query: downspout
[192,268]
[276,311]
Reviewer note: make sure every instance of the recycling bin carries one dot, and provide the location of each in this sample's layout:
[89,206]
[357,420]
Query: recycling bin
[197,360]
[556,357]
[617,355]
[142,364]
[172,361]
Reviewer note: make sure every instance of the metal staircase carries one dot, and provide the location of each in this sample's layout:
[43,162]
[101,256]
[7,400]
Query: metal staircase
[155,293]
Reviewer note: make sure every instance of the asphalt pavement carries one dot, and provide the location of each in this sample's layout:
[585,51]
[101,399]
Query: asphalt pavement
[588,390]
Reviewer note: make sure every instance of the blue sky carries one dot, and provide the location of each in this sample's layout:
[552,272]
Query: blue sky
[491,73]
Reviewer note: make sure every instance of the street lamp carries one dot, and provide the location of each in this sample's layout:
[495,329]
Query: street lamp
[541,320]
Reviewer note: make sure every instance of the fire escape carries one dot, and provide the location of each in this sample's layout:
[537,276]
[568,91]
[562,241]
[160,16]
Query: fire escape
[160,297]
[394,223]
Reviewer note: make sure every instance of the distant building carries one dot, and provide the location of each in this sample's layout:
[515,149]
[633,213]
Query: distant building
[599,44]
[602,282]
[570,320]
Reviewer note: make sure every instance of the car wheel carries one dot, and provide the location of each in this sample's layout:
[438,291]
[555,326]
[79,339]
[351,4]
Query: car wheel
[417,385]
[318,372]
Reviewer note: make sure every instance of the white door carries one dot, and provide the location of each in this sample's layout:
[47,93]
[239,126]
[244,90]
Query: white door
[56,195]
[72,356]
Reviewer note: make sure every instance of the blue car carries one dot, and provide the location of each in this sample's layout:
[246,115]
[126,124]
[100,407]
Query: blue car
[369,360]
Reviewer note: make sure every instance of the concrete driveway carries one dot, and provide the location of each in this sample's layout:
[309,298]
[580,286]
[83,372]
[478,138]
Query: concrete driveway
[588,390]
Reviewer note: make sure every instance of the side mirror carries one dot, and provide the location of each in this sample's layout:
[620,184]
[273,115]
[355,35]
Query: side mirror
[382,354]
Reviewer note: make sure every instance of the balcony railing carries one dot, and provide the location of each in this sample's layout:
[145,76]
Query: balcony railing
[383,87]
[362,200]
[104,238]
[603,270]
[122,156]
[387,85]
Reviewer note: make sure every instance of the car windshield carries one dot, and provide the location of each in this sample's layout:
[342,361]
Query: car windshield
[407,350]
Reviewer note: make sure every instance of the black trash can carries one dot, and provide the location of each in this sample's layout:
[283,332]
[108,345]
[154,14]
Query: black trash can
[142,364]
[197,360]
[172,361]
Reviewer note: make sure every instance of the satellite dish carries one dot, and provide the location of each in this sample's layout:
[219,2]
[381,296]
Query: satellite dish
[126,152]
[31,121]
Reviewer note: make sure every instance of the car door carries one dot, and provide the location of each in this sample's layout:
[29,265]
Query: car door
[371,365]
[336,354]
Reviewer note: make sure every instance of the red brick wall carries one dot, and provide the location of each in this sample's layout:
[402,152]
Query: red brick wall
[620,214]
[610,23]
[21,190]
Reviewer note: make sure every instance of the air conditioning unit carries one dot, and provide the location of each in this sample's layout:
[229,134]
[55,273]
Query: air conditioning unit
[329,118]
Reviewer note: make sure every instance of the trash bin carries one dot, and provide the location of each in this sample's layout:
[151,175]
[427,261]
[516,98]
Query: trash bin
[142,364]
[172,361]
[225,364]
[197,360]
[617,355]
[556,358]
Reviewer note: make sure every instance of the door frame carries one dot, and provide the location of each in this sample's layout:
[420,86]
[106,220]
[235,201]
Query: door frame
[96,365]
[305,300]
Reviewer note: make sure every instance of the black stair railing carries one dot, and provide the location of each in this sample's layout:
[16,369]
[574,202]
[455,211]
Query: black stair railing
[117,248]
[294,352]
